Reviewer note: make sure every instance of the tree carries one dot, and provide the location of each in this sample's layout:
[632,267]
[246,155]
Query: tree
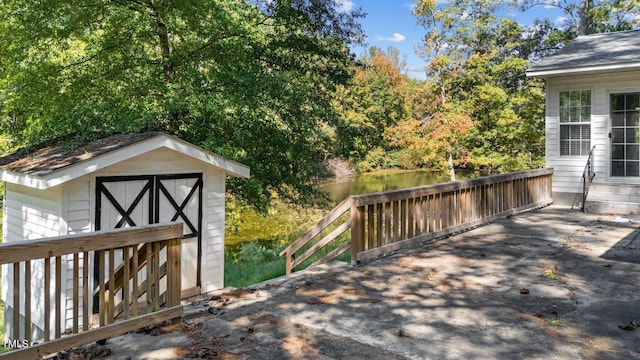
[374,101]
[477,62]
[589,16]
[251,81]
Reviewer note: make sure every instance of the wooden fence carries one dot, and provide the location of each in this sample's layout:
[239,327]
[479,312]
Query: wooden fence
[149,261]
[387,221]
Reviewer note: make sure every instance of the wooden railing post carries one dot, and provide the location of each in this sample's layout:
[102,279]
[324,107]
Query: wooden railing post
[113,293]
[357,230]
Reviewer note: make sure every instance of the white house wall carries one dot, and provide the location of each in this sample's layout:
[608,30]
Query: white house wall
[567,177]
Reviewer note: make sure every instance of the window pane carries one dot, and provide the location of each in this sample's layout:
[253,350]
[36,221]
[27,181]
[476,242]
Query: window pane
[617,152]
[564,99]
[586,114]
[632,101]
[585,98]
[633,152]
[617,135]
[574,114]
[585,148]
[575,132]
[564,147]
[632,135]
[632,118]
[575,98]
[617,168]
[632,168]
[564,115]
[564,132]
[617,102]
[585,132]
[575,148]
[617,119]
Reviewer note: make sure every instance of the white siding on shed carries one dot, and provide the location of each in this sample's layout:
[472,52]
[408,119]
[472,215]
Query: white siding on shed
[213,229]
[30,214]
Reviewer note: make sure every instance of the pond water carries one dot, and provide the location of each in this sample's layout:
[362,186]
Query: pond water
[379,181]
[282,223]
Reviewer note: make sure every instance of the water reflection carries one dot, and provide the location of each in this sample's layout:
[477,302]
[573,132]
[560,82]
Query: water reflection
[283,223]
[384,181]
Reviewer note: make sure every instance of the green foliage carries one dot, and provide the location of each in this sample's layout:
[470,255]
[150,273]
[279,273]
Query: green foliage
[374,101]
[248,81]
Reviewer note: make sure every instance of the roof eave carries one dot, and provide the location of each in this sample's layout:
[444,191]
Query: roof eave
[583,70]
[35,182]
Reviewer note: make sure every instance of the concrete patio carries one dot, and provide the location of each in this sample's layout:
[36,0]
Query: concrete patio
[550,283]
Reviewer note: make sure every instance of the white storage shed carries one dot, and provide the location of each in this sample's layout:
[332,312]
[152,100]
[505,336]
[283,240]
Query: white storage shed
[120,181]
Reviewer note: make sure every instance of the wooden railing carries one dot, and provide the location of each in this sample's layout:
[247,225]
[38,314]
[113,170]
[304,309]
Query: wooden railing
[151,294]
[387,221]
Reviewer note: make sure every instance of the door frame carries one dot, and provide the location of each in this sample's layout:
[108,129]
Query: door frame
[155,188]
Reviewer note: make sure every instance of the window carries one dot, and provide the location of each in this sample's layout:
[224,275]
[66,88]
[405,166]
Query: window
[575,123]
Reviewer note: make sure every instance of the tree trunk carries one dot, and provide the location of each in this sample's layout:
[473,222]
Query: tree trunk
[452,171]
[586,23]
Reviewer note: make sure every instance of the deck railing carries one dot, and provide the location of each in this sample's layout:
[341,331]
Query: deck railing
[150,294]
[387,221]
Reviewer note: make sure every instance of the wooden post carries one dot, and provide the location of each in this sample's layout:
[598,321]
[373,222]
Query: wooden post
[357,230]
[387,223]
[47,298]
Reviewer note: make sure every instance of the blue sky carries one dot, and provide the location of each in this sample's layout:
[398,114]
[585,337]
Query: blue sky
[391,23]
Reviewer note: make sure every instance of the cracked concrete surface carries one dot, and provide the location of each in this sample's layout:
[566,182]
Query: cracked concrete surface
[461,297]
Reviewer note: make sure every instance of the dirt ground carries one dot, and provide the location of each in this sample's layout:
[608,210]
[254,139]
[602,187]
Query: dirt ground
[551,283]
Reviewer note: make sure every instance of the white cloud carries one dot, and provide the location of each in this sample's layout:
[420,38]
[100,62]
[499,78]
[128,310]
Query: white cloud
[344,5]
[397,37]
[560,20]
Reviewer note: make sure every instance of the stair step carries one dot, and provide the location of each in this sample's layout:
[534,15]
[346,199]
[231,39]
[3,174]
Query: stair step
[612,207]
[614,193]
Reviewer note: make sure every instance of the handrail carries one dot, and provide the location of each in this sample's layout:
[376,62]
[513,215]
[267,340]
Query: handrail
[45,308]
[386,221]
[587,177]
[314,231]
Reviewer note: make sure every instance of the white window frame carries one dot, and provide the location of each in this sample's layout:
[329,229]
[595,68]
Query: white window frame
[571,116]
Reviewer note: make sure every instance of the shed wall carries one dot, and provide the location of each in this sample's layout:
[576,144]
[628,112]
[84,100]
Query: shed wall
[165,161]
[29,214]
[567,177]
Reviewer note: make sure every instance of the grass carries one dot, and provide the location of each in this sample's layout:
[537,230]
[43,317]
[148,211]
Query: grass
[254,241]
[258,261]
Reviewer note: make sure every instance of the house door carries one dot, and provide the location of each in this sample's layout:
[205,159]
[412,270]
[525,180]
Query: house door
[625,135]
[125,201]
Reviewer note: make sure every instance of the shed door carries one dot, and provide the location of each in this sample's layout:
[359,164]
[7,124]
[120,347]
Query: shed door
[124,201]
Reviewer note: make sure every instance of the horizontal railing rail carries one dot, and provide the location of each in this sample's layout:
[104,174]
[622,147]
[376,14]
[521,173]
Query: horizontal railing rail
[39,289]
[387,221]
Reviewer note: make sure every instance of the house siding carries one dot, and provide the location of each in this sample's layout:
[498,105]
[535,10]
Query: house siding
[76,219]
[30,214]
[567,178]
[213,232]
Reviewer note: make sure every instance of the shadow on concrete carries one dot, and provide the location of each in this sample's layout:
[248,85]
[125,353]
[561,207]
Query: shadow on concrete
[544,284]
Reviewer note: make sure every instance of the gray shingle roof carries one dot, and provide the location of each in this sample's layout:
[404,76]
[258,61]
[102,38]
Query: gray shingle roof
[598,52]
[55,157]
